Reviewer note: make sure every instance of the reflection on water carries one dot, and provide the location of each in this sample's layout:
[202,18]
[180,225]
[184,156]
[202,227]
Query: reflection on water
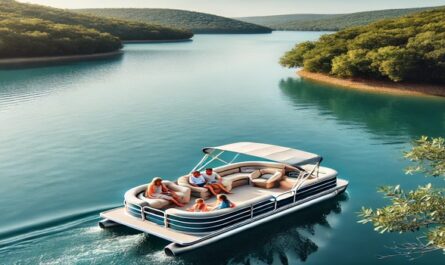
[24,84]
[381,114]
[283,241]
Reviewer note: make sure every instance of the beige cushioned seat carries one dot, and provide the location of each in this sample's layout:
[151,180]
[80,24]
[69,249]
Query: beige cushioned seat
[196,191]
[234,180]
[266,178]
[235,175]
[137,195]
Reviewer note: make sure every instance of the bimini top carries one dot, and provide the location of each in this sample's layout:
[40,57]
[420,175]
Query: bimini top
[275,153]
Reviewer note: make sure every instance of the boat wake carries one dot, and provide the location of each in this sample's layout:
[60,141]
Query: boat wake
[42,229]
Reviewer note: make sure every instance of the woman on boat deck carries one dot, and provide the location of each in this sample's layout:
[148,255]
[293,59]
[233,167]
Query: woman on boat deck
[157,190]
[214,182]
[200,206]
[222,202]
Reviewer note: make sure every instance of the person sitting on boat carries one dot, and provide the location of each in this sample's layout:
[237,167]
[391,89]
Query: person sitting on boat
[197,180]
[199,206]
[157,190]
[222,202]
[214,182]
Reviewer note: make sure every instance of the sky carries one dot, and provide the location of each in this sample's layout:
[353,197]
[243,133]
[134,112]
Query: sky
[238,8]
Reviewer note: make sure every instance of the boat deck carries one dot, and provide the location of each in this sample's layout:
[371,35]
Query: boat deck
[240,194]
[120,216]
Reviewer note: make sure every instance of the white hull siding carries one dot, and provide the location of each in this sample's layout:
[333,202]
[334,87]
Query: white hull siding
[175,249]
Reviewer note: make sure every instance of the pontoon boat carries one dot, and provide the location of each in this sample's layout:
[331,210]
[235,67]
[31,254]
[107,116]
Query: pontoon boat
[281,180]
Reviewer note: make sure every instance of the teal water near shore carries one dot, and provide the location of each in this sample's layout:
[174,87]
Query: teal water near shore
[75,137]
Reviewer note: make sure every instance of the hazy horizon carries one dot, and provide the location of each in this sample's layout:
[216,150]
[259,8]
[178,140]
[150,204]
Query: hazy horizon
[236,8]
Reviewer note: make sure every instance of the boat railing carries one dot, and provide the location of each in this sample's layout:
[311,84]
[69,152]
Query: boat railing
[213,222]
[216,221]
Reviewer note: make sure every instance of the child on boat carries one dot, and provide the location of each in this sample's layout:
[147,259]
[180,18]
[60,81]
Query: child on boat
[222,202]
[200,206]
[157,190]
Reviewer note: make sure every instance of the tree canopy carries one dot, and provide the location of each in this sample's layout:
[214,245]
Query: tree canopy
[410,48]
[31,30]
[329,22]
[423,208]
[125,30]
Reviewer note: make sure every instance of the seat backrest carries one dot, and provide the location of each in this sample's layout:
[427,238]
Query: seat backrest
[248,166]
[184,180]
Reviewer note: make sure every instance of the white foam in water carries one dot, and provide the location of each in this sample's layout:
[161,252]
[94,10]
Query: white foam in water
[159,257]
[96,250]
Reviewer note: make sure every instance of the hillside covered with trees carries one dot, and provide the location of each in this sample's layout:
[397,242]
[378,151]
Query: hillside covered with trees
[411,49]
[194,21]
[31,30]
[328,22]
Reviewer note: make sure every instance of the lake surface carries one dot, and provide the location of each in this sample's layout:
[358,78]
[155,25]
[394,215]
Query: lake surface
[75,137]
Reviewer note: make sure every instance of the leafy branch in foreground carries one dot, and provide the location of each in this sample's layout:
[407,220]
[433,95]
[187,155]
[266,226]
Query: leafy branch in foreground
[429,156]
[423,208]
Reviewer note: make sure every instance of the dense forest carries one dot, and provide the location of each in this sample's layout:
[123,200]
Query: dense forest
[194,21]
[411,48]
[37,37]
[31,30]
[328,22]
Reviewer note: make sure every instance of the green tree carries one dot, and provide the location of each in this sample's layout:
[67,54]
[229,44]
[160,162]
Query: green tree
[420,209]
[395,63]
[410,48]
[351,64]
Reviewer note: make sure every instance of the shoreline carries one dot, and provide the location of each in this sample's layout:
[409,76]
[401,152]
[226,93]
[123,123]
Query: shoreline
[17,62]
[376,86]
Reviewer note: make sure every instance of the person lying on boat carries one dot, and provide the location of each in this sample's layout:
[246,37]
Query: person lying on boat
[214,182]
[222,202]
[157,190]
[199,206]
[196,179]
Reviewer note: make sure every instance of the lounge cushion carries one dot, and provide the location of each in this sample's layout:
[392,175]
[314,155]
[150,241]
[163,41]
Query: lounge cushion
[137,195]
[247,169]
[266,177]
[229,180]
[198,192]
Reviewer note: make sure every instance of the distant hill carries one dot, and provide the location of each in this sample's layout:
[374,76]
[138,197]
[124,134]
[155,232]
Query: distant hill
[328,22]
[125,30]
[194,21]
[28,30]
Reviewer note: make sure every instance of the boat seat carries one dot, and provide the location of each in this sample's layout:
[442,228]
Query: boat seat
[136,196]
[233,175]
[267,178]
[197,192]
[235,180]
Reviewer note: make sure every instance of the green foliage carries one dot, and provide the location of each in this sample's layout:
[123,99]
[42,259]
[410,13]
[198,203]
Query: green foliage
[328,22]
[194,21]
[410,48]
[353,63]
[295,57]
[32,30]
[423,208]
[36,37]
[428,156]
[125,30]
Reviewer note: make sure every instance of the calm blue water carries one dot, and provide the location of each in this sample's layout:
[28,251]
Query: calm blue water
[74,138]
